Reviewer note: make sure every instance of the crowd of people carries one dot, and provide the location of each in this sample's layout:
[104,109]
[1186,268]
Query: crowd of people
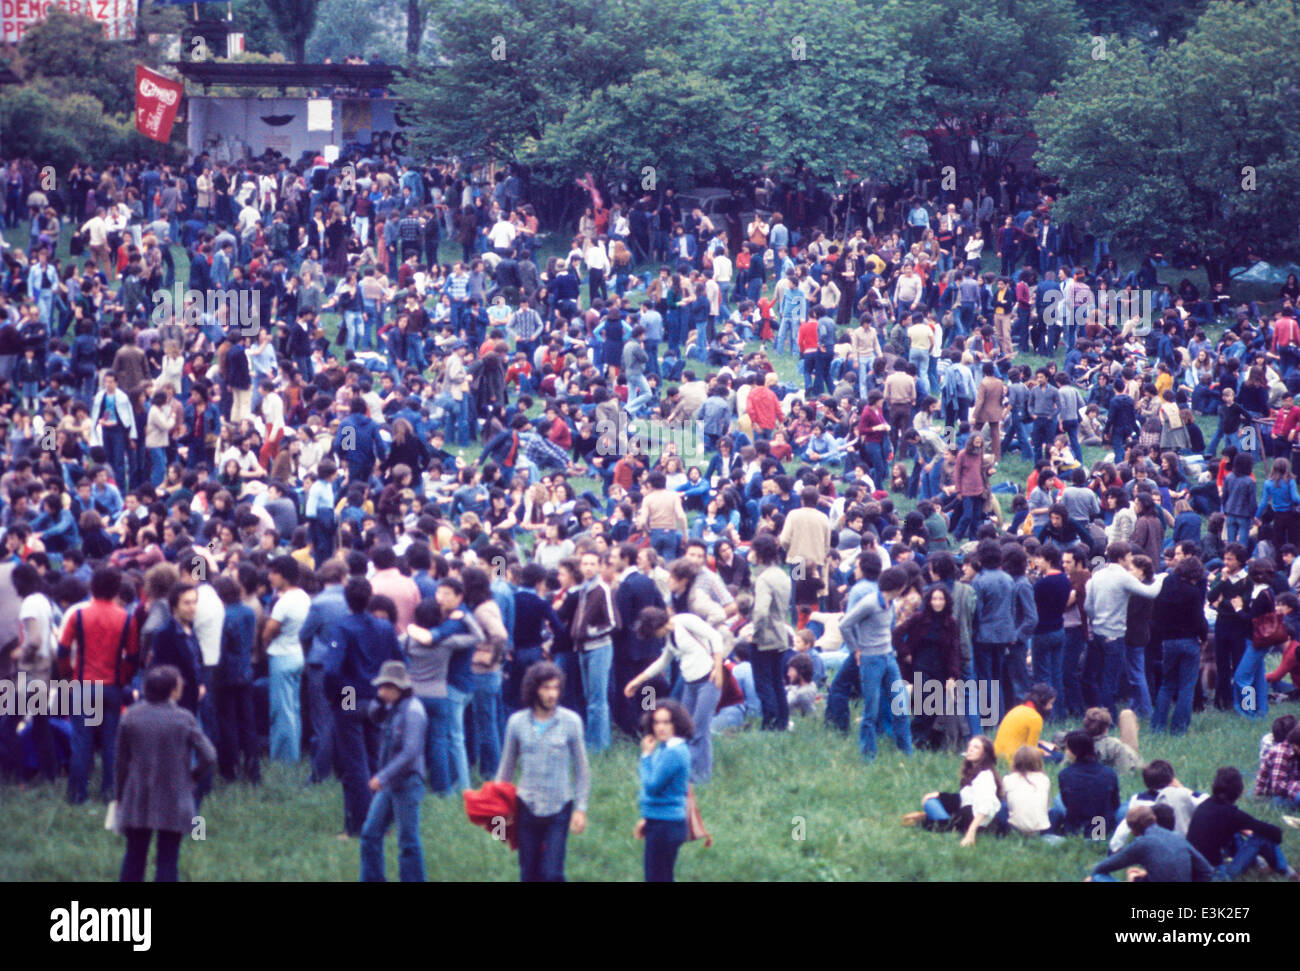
[425,523]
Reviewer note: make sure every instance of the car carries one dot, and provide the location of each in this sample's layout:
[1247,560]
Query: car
[714,203]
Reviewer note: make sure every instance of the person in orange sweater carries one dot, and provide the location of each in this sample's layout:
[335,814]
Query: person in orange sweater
[1024,723]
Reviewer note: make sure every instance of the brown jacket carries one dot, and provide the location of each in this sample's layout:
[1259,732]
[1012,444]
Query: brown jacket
[988,401]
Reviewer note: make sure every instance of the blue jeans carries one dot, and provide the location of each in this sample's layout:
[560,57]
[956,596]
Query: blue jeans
[1135,657]
[487,722]
[879,674]
[157,466]
[921,358]
[82,755]
[403,802]
[1180,665]
[542,844]
[1015,672]
[663,838]
[1017,436]
[437,744]
[356,743]
[1048,654]
[988,668]
[355,321]
[1249,687]
[595,667]
[457,702]
[1239,530]
[972,514]
[1071,671]
[700,699]
[1245,851]
[322,724]
[1043,433]
[286,710]
[846,684]
[666,542]
[785,334]
[769,685]
[1112,670]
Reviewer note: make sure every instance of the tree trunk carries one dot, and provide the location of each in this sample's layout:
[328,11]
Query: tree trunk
[299,49]
[414,30]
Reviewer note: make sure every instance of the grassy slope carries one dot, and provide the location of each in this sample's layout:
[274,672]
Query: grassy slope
[766,788]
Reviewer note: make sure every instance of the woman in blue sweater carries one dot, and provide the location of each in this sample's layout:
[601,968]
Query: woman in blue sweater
[1282,497]
[665,774]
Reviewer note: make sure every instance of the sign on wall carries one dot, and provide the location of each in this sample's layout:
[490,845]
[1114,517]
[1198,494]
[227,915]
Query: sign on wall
[116,16]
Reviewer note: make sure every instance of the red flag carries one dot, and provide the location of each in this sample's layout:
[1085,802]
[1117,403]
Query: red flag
[157,99]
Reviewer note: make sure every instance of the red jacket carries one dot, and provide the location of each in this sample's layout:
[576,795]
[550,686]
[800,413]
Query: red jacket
[763,407]
[495,802]
[808,336]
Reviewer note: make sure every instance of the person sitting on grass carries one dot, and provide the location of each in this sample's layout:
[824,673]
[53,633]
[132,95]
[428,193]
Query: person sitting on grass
[1121,754]
[1230,839]
[1029,794]
[1162,789]
[1024,723]
[1158,855]
[977,803]
[1279,772]
[800,691]
[1089,797]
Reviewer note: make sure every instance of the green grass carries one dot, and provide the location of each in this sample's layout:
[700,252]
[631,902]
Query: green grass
[766,788]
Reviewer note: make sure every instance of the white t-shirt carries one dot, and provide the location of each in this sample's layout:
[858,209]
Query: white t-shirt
[37,607]
[1028,797]
[291,611]
[502,234]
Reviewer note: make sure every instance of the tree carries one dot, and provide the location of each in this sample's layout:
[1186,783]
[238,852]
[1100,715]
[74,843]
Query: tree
[821,86]
[1197,145]
[665,123]
[984,67]
[345,28]
[502,72]
[295,20]
[70,52]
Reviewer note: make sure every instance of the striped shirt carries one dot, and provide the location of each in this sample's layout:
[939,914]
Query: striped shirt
[458,286]
[549,754]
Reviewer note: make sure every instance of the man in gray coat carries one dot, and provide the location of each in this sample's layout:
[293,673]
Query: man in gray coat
[161,753]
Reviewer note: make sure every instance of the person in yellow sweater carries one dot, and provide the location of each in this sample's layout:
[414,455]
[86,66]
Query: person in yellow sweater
[1024,723]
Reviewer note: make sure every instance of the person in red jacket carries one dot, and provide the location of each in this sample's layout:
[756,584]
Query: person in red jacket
[101,644]
[764,408]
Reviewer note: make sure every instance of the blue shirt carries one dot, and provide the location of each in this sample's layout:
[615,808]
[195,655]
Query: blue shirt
[328,609]
[995,595]
[665,773]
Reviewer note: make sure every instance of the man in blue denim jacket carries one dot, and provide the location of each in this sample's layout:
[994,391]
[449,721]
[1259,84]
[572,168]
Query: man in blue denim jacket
[399,784]
[995,620]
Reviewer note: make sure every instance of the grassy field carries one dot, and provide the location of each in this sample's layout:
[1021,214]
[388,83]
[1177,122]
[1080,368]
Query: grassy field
[768,791]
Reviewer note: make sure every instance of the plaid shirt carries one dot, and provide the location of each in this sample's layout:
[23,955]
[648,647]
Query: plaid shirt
[548,754]
[1279,772]
[541,452]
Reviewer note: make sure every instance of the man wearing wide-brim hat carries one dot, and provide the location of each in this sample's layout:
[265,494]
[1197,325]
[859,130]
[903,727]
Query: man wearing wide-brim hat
[399,784]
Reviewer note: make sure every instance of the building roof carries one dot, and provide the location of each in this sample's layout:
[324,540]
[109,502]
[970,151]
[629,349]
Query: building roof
[353,77]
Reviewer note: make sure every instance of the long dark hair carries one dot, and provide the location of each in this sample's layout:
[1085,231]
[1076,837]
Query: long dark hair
[535,677]
[989,760]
